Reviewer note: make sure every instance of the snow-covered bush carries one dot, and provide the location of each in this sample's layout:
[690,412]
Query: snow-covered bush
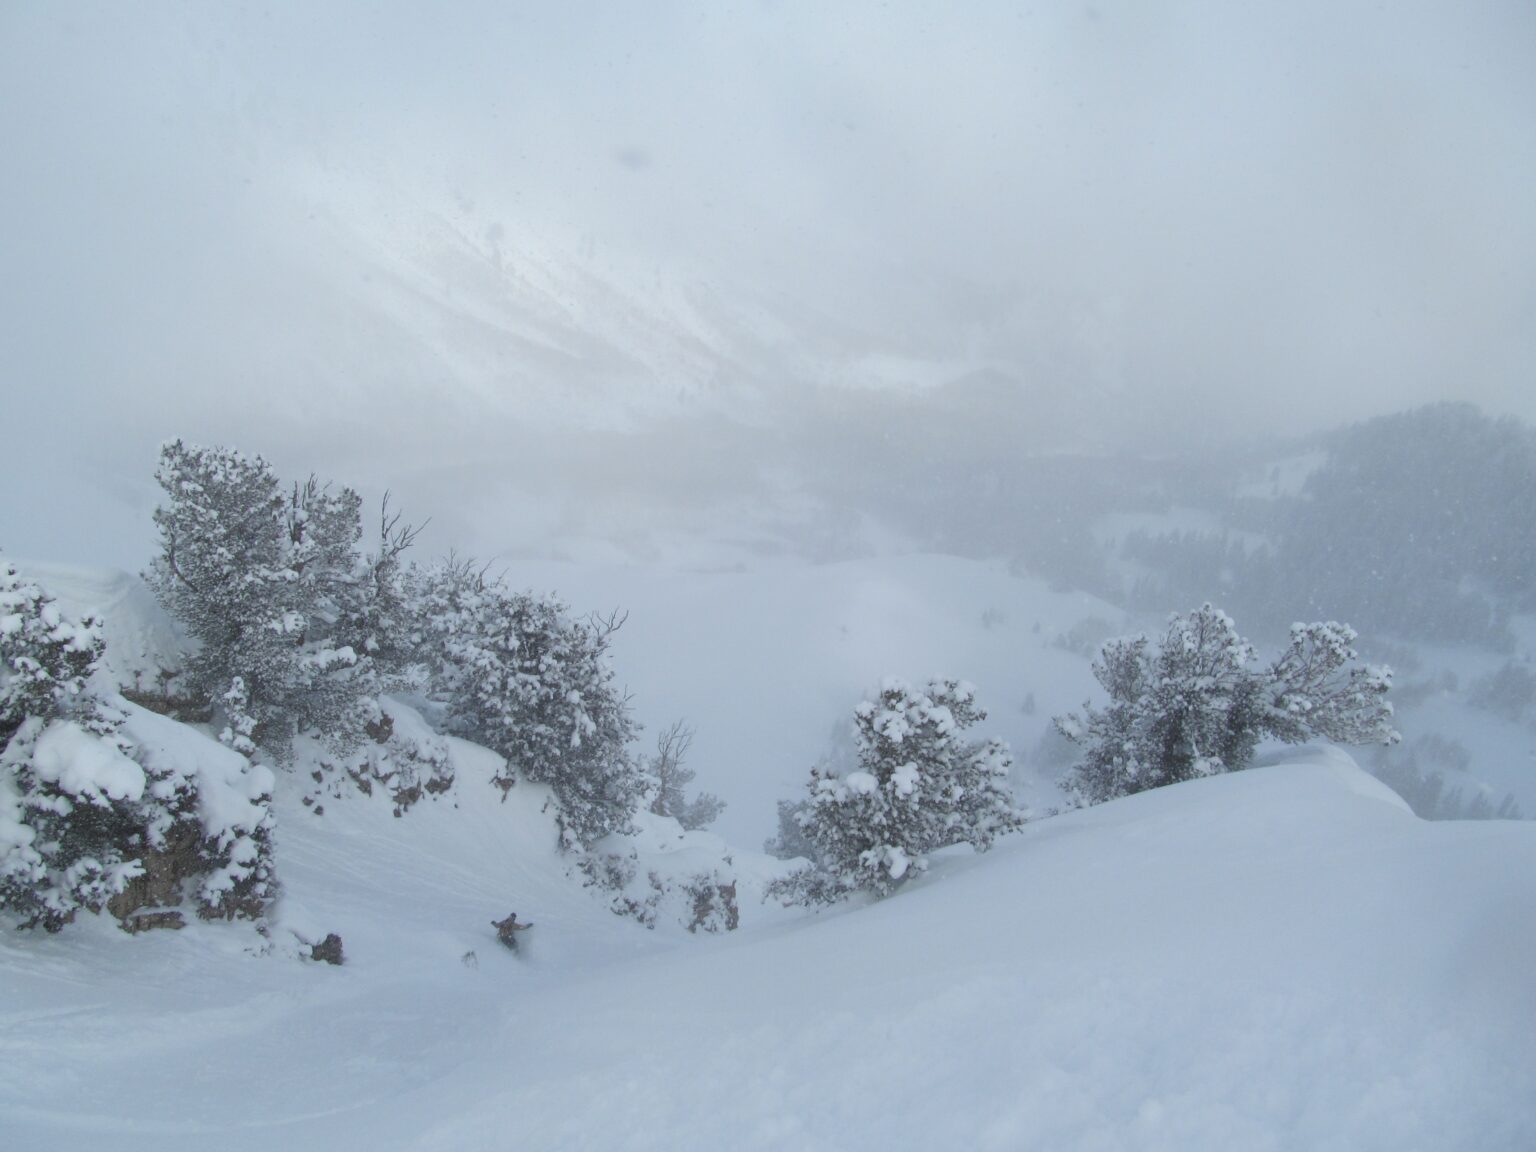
[91,815]
[263,581]
[523,677]
[1192,705]
[919,785]
[216,851]
[617,875]
[791,842]
[69,794]
[376,616]
[402,756]
[713,898]
[702,900]
[669,777]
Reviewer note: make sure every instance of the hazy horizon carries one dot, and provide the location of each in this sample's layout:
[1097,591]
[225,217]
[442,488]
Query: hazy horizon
[465,252]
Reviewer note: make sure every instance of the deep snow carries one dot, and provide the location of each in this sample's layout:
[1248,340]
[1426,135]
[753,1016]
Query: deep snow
[1280,958]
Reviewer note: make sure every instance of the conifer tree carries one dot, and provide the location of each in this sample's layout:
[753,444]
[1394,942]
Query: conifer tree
[63,824]
[81,807]
[520,675]
[1192,705]
[262,581]
[919,785]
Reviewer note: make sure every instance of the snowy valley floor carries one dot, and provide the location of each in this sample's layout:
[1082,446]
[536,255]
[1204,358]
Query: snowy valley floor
[1281,958]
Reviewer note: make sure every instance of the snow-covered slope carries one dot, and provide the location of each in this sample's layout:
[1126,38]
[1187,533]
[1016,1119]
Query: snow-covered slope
[1282,958]
[142,640]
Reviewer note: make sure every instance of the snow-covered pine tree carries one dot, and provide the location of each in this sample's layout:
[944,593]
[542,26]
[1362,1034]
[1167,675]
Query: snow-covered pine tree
[67,802]
[376,616]
[1312,689]
[791,842]
[1116,755]
[82,809]
[919,786]
[670,777]
[261,581]
[520,675]
[1192,705]
[452,604]
[1188,707]
[335,692]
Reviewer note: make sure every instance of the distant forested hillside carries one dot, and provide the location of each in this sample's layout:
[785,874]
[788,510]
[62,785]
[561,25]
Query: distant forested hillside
[1415,525]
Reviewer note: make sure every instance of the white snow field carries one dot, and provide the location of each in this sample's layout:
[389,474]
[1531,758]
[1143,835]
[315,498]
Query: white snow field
[1280,958]
[1284,958]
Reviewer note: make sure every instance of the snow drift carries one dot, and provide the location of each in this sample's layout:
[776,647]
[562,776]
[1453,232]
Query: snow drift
[1283,957]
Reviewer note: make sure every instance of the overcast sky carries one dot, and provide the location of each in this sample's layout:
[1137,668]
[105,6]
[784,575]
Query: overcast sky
[1271,214]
